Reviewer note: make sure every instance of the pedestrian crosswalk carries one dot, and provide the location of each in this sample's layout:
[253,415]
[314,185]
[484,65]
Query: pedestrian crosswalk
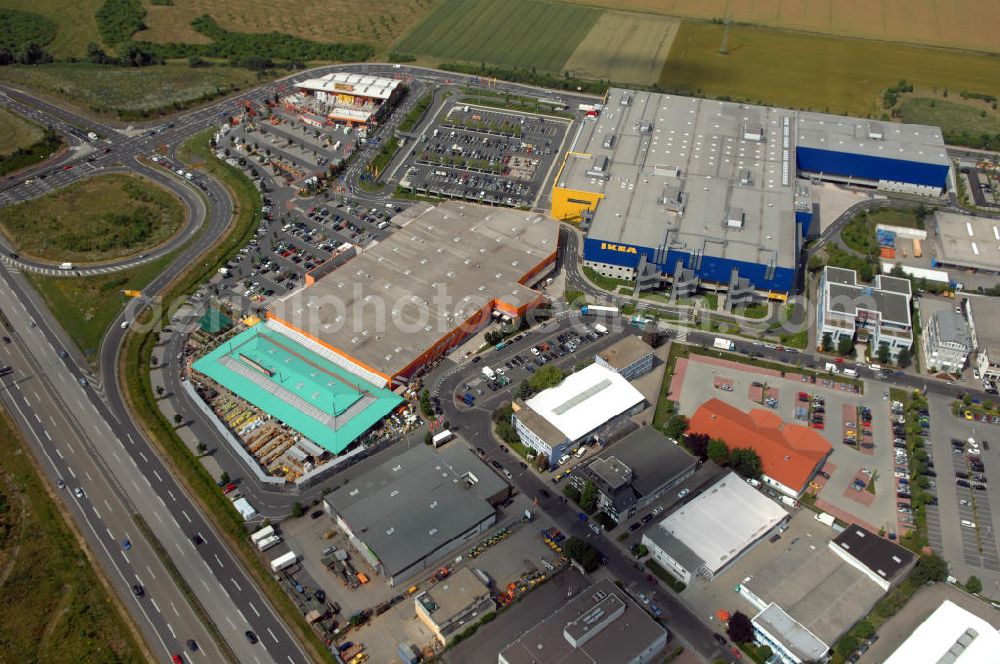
[681,335]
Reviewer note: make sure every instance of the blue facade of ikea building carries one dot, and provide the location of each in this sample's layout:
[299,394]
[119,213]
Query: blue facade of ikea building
[870,167]
[712,268]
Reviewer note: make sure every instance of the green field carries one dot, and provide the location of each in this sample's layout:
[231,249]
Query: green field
[130,92]
[85,306]
[961,122]
[16,132]
[100,218]
[55,610]
[515,33]
[844,76]
[75,20]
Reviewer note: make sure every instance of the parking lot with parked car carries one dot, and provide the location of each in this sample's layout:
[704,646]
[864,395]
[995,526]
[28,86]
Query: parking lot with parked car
[486,155]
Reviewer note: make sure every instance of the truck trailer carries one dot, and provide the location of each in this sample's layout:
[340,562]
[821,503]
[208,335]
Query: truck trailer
[268,542]
[724,344]
[283,561]
[263,533]
[595,310]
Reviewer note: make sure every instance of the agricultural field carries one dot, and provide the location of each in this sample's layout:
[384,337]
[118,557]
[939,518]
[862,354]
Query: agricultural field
[16,132]
[624,47]
[100,218]
[515,33]
[129,92]
[843,76]
[55,610]
[957,118]
[967,24]
[379,23]
[76,25]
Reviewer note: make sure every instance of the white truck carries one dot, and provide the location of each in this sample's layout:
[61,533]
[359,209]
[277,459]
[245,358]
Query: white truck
[724,344]
[283,561]
[442,437]
[263,533]
[831,367]
[66,266]
[600,329]
[268,542]
[488,373]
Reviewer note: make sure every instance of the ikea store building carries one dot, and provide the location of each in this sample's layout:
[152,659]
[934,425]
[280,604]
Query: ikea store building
[694,193]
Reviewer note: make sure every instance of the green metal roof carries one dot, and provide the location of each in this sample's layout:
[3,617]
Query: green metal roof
[317,398]
[214,321]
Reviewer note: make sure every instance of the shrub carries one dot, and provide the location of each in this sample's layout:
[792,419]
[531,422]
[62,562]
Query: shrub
[118,20]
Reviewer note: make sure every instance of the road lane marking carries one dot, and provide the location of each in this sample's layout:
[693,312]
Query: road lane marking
[37,418]
[136,485]
[176,612]
[272,635]
[254,609]
[150,571]
[207,589]
[186,516]
[115,455]
[146,480]
[106,529]
[171,494]
[126,558]
[145,460]
[89,478]
[108,505]
[60,454]
[238,589]
[230,621]
[217,559]
[70,469]
[70,447]
[158,517]
[242,616]
[158,478]
[155,606]
[171,631]
[46,432]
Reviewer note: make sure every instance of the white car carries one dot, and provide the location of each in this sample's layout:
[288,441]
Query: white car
[78,492]
[683,493]
[657,510]
[534,350]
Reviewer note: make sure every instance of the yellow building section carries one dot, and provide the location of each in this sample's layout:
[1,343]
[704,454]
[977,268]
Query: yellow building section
[569,204]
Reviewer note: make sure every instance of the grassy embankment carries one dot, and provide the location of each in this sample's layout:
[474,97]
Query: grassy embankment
[140,394]
[98,219]
[23,143]
[56,609]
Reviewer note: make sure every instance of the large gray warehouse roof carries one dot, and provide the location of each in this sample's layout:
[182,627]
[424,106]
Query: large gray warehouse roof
[402,295]
[891,140]
[966,241]
[737,195]
[414,503]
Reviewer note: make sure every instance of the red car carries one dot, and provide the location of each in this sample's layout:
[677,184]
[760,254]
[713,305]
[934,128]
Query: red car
[67,167]
[178,660]
[839,360]
[229,488]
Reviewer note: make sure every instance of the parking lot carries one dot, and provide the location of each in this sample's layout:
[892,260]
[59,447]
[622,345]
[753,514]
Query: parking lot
[485,155]
[698,379]
[970,549]
[289,244]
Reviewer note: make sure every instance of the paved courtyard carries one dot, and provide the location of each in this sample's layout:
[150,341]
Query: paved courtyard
[695,382]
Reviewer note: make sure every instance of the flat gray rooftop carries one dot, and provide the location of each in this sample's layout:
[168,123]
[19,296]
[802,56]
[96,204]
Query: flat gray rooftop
[606,625]
[443,263]
[811,583]
[655,460]
[967,241]
[891,140]
[737,195]
[414,503]
[625,352]
[986,326]
[889,296]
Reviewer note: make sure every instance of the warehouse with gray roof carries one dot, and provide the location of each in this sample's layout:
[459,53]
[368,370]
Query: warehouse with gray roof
[409,512]
[696,193]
